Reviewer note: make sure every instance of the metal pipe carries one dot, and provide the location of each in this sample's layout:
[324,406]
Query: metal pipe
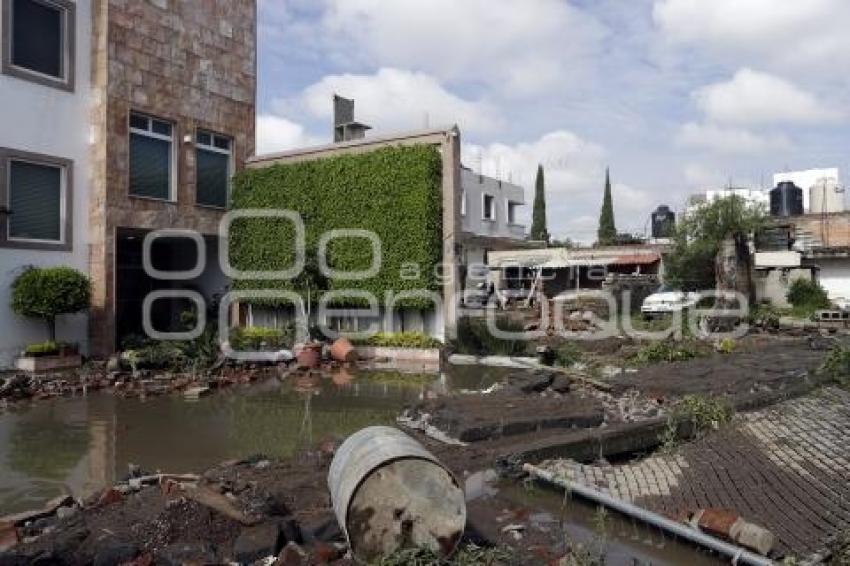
[736,553]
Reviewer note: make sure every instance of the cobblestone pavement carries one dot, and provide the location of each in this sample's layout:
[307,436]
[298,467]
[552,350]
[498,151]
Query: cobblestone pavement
[786,468]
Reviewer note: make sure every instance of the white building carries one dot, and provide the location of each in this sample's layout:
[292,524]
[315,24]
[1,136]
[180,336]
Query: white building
[44,155]
[491,214]
[819,185]
[752,197]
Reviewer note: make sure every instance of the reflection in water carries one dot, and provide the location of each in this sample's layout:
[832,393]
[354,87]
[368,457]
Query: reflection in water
[82,444]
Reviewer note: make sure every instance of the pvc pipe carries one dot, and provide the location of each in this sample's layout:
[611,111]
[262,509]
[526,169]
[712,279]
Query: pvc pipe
[736,553]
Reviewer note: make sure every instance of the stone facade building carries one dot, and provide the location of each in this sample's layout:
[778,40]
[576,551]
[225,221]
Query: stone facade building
[145,110]
[191,64]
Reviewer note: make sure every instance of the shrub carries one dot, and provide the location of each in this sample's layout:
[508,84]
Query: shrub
[807,294]
[703,413]
[765,316]
[46,293]
[474,338]
[665,351]
[43,349]
[568,354]
[157,355]
[837,364]
[403,340]
[259,338]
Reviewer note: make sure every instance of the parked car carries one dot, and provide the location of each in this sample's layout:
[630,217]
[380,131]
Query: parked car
[668,300]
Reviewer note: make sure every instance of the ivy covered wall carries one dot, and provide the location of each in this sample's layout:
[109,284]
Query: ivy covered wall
[395,192]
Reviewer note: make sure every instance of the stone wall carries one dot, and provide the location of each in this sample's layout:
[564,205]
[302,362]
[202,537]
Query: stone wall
[191,62]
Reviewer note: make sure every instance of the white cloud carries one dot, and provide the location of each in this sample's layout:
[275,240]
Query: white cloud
[721,139]
[575,178]
[700,176]
[275,133]
[751,97]
[809,35]
[523,49]
[394,99]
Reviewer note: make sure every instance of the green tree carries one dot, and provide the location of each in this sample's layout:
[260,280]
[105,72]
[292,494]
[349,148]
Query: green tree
[49,292]
[607,233]
[690,264]
[538,217]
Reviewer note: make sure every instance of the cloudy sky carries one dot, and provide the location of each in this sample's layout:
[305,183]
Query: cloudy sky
[673,95]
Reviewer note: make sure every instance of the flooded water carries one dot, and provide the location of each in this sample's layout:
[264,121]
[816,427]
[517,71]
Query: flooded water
[85,443]
[623,541]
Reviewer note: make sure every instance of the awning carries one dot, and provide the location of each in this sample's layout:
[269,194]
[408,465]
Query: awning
[638,259]
[563,263]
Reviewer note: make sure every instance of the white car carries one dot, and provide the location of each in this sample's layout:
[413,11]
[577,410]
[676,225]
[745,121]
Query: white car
[666,300]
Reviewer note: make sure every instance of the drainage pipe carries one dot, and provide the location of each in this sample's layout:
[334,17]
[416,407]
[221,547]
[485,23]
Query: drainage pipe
[736,553]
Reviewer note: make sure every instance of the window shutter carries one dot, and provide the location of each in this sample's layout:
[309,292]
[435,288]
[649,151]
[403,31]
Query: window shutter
[212,178]
[150,167]
[37,37]
[35,201]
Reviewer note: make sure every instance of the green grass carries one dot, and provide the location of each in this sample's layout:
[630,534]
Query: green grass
[469,555]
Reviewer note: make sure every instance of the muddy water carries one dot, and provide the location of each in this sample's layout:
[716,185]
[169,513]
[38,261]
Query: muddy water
[574,523]
[82,444]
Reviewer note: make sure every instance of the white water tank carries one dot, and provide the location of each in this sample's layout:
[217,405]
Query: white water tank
[826,196]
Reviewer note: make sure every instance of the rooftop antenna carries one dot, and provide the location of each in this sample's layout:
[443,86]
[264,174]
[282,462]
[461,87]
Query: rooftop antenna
[479,159]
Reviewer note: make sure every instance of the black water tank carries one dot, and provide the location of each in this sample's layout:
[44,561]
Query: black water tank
[663,222]
[786,199]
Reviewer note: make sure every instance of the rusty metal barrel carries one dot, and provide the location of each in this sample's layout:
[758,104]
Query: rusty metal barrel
[388,493]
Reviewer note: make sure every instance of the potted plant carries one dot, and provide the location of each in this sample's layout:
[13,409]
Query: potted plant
[47,293]
[311,279]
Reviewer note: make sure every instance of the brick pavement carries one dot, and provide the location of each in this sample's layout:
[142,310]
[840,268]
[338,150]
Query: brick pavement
[786,468]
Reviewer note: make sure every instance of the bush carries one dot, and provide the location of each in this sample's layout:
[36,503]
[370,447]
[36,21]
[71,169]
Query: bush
[157,355]
[765,316]
[46,293]
[474,338]
[259,338]
[703,413]
[48,348]
[665,352]
[403,340]
[808,295]
[837,364]
[567,355]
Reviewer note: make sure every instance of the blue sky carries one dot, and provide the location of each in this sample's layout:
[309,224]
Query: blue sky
[674,95]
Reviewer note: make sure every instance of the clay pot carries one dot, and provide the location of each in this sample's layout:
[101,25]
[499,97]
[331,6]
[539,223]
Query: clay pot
[343,351]
[310,356]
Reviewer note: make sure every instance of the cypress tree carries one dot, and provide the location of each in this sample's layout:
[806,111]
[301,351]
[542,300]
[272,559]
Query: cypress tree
[607,233]
[538,217]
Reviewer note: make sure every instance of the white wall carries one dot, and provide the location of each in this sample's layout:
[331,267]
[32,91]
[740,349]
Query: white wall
[834,276]
[55,122]
[474,186]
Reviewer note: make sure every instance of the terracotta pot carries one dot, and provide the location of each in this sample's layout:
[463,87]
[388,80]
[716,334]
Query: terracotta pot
[343,350]
[310,356]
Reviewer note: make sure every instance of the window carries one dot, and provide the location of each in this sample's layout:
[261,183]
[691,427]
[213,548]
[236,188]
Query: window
[35,201]
[463,203]
[152,173]
[38,41]
[512,210]
[488,212]
[213,166]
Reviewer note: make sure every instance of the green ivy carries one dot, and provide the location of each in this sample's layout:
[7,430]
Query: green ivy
[396,192]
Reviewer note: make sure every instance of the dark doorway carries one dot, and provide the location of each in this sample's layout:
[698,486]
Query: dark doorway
[133,284]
